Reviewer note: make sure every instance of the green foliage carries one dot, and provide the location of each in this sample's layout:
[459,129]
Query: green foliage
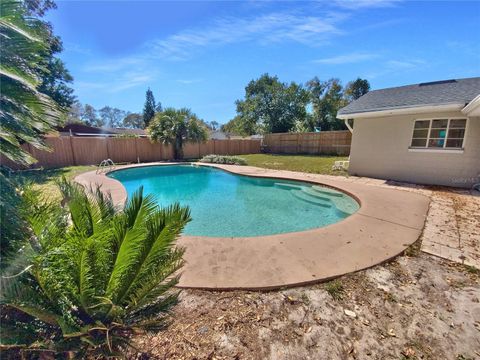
[327,98]
[13,228]
[175,127]
[26,112]
[223,159]
[356,88]
[335,289]
[133,121]
[96,275]
[238,127]
[149,108]
[111,116]
[271,106]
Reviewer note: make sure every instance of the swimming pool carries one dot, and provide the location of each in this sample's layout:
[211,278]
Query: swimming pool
[228,205]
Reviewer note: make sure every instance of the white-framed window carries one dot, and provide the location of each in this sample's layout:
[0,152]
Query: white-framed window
[439,133]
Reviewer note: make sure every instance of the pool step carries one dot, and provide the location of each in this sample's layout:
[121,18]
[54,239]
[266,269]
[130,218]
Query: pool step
[300,194]
[288,186]
[326,191]
[316,194]
[345,205]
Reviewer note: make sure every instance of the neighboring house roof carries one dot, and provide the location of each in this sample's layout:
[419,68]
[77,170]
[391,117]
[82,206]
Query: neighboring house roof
[139,132]
[218,134]
[76,129]
[437,93]
[85,130]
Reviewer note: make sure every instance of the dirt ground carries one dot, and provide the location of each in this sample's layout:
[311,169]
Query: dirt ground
[417,306]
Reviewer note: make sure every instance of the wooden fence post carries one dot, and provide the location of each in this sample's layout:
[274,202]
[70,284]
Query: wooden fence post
[73,151]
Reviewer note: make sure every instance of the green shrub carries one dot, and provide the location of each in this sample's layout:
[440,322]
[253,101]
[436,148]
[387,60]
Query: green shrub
[96,275]
[13,229]
[223,159]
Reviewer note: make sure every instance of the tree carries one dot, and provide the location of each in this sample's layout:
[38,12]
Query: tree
[95,275]
[75,113]
[55,77]
[271,106]
[133,121]
[238,127]
[327,98]
[149,108]
[111,117]
[90,117]
[356,88]
[176,127]
[26,112]
[213,125]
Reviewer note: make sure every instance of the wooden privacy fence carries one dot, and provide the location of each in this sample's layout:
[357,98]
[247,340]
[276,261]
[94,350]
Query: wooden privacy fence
[327,142]
[72,150]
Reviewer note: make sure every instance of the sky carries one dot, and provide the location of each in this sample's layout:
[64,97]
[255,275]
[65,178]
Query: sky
[202,54]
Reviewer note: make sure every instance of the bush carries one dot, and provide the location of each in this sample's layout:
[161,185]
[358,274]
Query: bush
[223,159]
[96,275]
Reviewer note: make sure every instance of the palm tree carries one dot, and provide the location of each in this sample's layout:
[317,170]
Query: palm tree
[25,113]
[175,127]
[96,274]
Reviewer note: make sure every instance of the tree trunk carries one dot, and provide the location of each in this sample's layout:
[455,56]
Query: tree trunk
[178,148]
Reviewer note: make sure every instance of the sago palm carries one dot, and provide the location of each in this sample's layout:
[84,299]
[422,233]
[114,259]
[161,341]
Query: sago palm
[175,127]
[25,113]
[97,274]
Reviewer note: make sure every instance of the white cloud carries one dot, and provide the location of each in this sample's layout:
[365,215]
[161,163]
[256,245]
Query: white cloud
[404,64]
[346,59]
[114,84]
[264,29]
[189,81]
[365,4]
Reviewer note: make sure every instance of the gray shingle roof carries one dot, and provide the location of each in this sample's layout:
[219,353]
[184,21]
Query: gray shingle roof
[459,91]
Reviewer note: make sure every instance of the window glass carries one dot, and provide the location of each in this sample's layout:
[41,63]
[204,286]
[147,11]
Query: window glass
[454,143]
[456,133]
[422,133]
[422,124]
[439,133]
[436,143]
[440,124]
[458,123]
[419,142]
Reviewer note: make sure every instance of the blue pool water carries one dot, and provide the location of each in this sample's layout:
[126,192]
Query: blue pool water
[224,204]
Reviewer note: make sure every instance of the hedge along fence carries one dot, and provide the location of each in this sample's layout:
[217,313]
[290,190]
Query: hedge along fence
[73,150]
[327,142]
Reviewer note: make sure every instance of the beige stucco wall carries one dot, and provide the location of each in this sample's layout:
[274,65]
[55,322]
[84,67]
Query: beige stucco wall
[380,149]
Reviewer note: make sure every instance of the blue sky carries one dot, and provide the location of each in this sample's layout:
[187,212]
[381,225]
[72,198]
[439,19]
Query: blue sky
[202,54]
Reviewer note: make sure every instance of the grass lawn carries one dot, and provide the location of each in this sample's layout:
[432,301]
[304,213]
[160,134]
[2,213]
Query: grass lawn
[305,163]
[44,179]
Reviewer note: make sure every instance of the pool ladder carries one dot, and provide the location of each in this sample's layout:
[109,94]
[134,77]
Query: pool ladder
[105,166]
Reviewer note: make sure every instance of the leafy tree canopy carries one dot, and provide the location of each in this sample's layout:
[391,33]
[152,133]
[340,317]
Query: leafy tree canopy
[111,117]
[133,121]
[271,106]
[27,113]
[356,88]
[175,127]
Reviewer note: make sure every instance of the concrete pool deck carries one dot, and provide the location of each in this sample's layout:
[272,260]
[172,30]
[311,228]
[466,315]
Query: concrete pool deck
[388,221]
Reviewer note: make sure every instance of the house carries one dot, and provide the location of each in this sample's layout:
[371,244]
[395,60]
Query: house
[218,135]
[426,133]
[85,130]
